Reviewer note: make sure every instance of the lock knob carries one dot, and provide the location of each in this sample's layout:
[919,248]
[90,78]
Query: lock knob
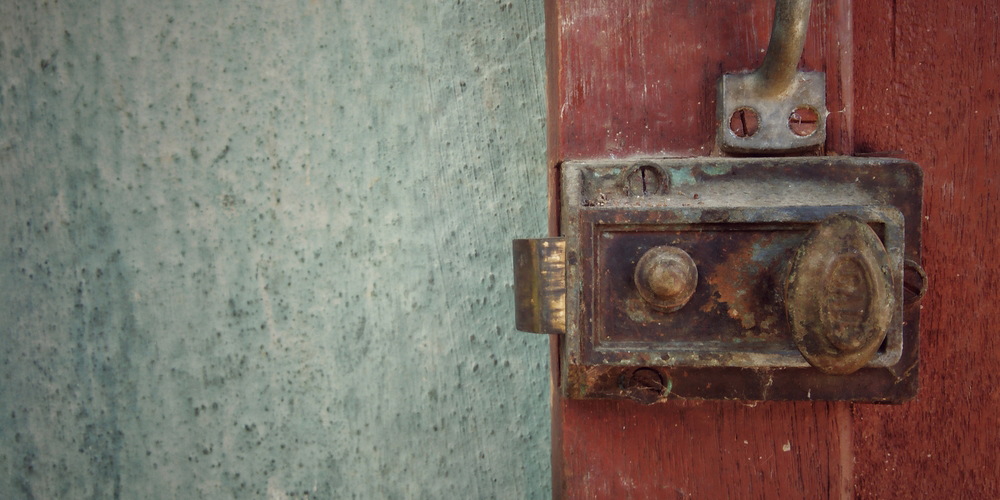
[839,295]
[666,277]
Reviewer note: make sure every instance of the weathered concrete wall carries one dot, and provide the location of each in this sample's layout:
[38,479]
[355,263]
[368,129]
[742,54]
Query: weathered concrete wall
[261,249]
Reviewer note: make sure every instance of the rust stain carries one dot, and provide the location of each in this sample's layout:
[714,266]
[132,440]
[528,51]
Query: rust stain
[732,284]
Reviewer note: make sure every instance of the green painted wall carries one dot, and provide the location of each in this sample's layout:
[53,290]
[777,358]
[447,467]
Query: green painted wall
[261,249]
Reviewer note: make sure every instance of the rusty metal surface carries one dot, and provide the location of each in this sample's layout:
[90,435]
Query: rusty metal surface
[786,108]
[741,221]
[540,285]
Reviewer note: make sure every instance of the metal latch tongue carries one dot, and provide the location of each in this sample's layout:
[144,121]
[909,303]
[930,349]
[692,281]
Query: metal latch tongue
[540,285]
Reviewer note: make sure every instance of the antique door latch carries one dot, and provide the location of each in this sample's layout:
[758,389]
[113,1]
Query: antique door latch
[755,278]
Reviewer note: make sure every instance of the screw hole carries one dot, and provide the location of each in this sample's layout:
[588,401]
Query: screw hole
[744,122]
[804,121]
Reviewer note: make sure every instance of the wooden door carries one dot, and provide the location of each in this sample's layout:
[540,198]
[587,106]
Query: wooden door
[917,79]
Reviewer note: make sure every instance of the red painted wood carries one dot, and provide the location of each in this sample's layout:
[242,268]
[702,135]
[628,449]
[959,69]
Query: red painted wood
[928,83]
[638,78]
[619,449]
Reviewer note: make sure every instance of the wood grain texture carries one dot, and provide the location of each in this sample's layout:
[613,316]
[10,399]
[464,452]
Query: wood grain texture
[638,78]
[619,449]
[928,78]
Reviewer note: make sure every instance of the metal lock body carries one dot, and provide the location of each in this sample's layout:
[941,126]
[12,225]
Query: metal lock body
[754,278]
[736,278]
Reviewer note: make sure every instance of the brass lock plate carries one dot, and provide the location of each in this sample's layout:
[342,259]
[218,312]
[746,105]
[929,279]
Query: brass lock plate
[720,328]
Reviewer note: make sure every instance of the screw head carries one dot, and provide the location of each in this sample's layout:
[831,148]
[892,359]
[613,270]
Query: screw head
[744,122]
[644,385]
[666,278]
[914,282]
[804,121]
[645,180]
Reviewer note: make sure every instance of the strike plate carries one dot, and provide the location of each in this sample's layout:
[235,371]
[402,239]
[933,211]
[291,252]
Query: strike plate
[743,223]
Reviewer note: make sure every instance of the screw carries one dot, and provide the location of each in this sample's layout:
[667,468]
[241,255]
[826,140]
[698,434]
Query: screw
[914,282]
[803,121]
[644,180]
[744,122]
[646,379]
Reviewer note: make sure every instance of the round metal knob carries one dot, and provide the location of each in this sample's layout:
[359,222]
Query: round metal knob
[666,278]
[839,295]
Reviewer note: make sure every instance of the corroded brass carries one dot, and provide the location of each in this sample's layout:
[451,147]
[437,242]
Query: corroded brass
[540,285]
[737,278]
[763,111]
[742,221]
[666,277]
[839,296]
